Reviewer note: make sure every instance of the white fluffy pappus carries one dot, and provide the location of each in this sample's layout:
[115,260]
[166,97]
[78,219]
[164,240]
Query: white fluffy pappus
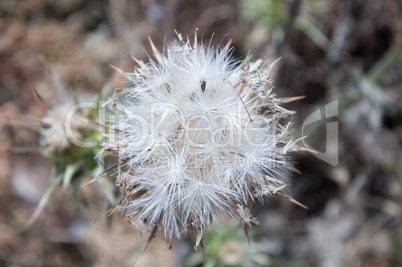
[196,135]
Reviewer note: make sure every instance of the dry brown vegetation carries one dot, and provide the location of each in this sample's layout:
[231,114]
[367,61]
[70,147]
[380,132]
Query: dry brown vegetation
[352,54]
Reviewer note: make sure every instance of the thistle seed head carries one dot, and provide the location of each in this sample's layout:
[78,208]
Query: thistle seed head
[54,131]
[197,135]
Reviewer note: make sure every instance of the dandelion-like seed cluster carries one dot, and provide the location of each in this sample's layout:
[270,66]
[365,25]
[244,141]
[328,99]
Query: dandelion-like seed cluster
[54,131]
[197,136]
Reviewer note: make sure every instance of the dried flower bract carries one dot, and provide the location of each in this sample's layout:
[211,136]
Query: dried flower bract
[197,135]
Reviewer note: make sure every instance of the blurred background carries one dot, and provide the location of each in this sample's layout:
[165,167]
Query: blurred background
[331,50]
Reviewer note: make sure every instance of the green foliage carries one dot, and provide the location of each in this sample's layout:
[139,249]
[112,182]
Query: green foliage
[73,163]
[271,13]
[227,246]
[275,16]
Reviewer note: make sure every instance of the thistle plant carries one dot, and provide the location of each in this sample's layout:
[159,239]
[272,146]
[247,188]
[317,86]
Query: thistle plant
[71,162]
[197,135]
